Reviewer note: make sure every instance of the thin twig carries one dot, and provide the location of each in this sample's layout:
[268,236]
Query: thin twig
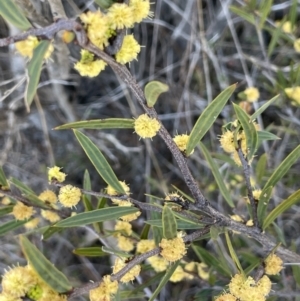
[246,171]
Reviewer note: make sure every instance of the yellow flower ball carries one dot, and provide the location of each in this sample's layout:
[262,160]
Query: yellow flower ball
[297,45]
[145,245]
[294,94]
[54,173]
[120,15]
[22,212]
[124,227]
[146,127]
[50,216]
[48,196]
[178,275]
[124,243]
[273,264]
[172,249]
[69,196]
[105,290]
[130,275]
[227,142]
[32,224]
[158,263]
[226,297]
[111,191]
[264,285]
[18,281]
[181,141]
[129,50]
[252,94]
[140,10]
[128,217]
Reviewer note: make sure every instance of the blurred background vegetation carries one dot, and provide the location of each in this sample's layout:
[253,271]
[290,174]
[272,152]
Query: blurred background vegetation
[197,48]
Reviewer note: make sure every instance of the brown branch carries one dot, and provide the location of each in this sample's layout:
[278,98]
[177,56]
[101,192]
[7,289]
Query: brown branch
[135,261]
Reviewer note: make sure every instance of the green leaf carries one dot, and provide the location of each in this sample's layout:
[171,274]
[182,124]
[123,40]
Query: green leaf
[169,223]
[276,34]
[165,279]
[11,225]
[5,210]
[263,203]
[116,252]
[249,129]
[265,8]
[104,4]
[284,167]
[50,231]
[208,117]
[3,182]
[13,15]
[34,71]
[22,187]
[211,260]
[184,225]
[99,215]
[233,254]
[44,268]
[99,161]
[153,90]
[87,186]
[216,173]
[145,231]
[90,252]
[283,206]
[263,108]
[99,124]
[265,135]
[244,14]
[34,200]
[261,167]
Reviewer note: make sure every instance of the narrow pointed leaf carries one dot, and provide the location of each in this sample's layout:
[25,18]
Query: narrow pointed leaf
[87,184]
[249,129]
[263,108]
[34,200]
[5,210]
[13,15]
[264,10]
[208,117]
[284,167]
[104,4]
[100,215]
[99,124]
[34,71]
[11,225]
[50,231]
[261,167]
[244,14]
[263,203]
[216,173]
[90,252]
[3,182]
[116,252]
[44,268]
[22,187]
[233,254]
[282,207]
[169,223]
[99,161]
[165,279]
[265,135]
[153,90]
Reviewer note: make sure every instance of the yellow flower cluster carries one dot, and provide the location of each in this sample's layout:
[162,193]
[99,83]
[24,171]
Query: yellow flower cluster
[20,281]
[105,291]
[88,66]
[111,191]
[146,127]
[227,143]
[286,26]
[48,196]
[172,249]
[273,264]
[124,243]
[246,289]
[293,94]
[26,47]
[129,276]
[101,27]
[69,195]
[50,216]
[256,195]
[252,94]
[22,212]
[181,141]
[54,173]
